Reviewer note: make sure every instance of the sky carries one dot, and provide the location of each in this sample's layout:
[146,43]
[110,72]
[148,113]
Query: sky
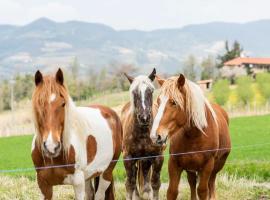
[135,14]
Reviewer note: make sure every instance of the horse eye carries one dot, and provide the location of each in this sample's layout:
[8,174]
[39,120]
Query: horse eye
[63,104]
[173,103]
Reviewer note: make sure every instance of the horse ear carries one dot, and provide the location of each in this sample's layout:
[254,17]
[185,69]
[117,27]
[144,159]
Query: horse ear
[59,77]
[152,75]
[159,80]
[38,78]
[130,79]
[181,80]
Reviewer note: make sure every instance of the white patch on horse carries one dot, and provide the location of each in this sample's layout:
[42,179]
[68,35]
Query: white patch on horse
[143,90]
[78,181]
[85,121]
[50,144]
[52,97]
[102,187]
[163,102]
[141,82]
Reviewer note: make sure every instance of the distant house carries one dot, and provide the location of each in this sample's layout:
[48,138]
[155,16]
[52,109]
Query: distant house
[205,85]
[246,65]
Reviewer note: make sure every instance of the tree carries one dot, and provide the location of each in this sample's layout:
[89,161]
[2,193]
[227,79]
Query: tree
[73,83]
[75,65]
[263,81]
[230,53]
[221,91]
[5,96]
[244,90]
[23,87]
[118,75]
[208,68]
[190,68]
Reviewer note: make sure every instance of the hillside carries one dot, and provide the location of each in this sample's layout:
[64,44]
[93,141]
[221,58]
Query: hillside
[45,43]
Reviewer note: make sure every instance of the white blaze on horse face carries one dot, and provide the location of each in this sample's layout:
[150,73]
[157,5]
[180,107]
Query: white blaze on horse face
[163,102]
[143,90]
[52,97]
[50,144]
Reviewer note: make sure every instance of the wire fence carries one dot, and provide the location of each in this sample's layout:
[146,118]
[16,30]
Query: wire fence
[17,170]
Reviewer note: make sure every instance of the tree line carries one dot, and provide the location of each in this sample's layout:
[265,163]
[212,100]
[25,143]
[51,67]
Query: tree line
[110,79]
[79,87]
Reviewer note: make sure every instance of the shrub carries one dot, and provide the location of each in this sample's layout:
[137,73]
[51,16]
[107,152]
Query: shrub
[221,91]
[263,81]
[244,90]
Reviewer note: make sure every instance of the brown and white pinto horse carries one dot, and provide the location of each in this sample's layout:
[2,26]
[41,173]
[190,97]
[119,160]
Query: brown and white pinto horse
[84,140]
[192,124]
[137,119]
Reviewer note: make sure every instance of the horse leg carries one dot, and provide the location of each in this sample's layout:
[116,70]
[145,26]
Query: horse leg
[174,178]
[103,185]
[89,190]
[78,182]
[204,175]
[105,189]
[45,189]
[155,179]
[212,189]
[146,187]
[131,171]
[192,180]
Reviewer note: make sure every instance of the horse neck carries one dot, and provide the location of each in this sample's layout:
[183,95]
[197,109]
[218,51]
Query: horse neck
[139,130]
[193,130]
[75,124]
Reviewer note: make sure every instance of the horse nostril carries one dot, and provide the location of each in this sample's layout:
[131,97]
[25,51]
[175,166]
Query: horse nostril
[44,145]
[159,138]
[57,147]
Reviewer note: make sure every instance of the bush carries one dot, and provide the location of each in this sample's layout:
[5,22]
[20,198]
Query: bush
[244,90]
[263,81]
[221,91]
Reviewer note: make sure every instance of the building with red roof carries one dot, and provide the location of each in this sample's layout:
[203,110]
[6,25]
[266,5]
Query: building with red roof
[245,65]
[255,64]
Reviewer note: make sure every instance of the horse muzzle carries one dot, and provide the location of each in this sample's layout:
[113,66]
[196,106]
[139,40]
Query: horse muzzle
[160,140]
[51,150]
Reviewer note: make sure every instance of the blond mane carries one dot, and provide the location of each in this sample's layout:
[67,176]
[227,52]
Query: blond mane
[192,100]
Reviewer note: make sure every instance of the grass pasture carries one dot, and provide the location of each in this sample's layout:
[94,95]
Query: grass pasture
[248,163]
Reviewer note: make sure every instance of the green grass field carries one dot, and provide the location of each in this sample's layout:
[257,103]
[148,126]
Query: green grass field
[252,162]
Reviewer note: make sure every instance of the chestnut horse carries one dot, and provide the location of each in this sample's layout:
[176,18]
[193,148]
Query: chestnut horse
[137,119]
[192,125]
[73,144]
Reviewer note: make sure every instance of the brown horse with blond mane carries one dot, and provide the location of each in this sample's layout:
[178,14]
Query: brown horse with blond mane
[73,144]
[198,133]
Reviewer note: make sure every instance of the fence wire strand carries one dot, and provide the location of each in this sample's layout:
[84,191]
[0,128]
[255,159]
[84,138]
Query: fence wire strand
[134,158]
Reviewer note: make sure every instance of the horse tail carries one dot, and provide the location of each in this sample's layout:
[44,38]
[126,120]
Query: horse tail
[140,177]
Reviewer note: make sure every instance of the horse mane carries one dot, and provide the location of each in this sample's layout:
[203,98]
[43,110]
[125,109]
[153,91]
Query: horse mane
[193,101]
[73,120]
